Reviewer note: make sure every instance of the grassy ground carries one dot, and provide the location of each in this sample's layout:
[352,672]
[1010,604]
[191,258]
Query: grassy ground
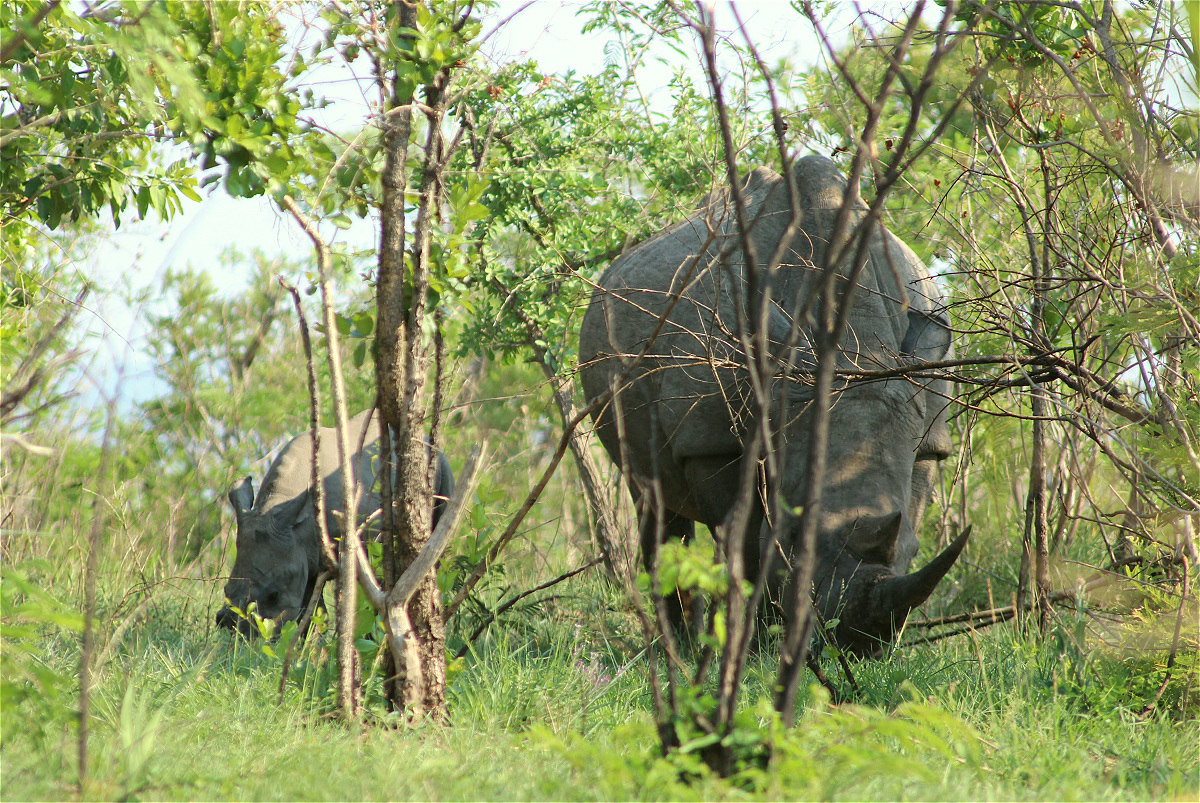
[555,706]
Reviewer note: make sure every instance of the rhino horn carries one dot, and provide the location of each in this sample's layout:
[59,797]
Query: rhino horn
[901,594]
[241,497]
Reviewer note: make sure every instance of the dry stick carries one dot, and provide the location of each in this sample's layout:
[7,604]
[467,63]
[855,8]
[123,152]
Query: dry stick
[89,602]
[349,545]
[834,301]
[833,316]
[752,337]
[302,625]
[978,619]
[753,342]
[1149,709]
[518,597]
[599,508]
[740,633]
[316,487]
[662,713]
[835,693]
[530,499]
[1108,397]
[1002,615]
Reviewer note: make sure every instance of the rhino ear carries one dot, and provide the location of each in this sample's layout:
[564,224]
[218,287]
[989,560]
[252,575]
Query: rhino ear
[241,496]
[304,512]
[873,538]
[928,336]
[285,515]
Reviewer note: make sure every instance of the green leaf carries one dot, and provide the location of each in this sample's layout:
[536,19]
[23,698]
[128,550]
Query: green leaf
[364,323]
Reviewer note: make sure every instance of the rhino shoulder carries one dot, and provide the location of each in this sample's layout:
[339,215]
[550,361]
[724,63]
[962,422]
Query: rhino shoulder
[288,474]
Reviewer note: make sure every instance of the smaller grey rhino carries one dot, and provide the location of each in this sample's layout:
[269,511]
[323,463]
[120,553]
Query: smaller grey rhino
[278,542]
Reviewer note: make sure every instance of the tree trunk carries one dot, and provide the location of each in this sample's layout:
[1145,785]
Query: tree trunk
[391,327]
[1037,529]
[402,361]
[1036,543]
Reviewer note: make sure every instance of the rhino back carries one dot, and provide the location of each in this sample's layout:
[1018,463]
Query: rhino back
[678,268]
[291,472]
[690,382]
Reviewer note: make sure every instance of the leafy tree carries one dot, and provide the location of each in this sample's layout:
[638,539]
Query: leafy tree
[1059,202]
[90,100]
[89,96]
[1057,146]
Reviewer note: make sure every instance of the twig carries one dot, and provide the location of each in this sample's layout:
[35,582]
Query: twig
[835,694]
[1008,613]
[316,487]
[517,598]
[349,545]
[1004,613]
[980,619]
[302,626]
[530,499]
[996,615]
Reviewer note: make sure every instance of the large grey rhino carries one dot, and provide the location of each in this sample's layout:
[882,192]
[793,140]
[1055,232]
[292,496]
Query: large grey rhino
[278,542]
[684,408]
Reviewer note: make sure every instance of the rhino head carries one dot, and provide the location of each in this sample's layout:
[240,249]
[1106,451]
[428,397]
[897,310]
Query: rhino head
[868,601]
[880,461]
[273,568]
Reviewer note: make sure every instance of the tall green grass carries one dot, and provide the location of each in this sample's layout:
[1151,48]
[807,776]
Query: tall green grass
[553,701]
[554,704]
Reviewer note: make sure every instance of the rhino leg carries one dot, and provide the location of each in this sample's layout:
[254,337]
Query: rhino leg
[713,482]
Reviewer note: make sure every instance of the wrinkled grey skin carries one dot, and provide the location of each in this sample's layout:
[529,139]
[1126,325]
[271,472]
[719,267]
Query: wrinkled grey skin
[278,542]
[685,409]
